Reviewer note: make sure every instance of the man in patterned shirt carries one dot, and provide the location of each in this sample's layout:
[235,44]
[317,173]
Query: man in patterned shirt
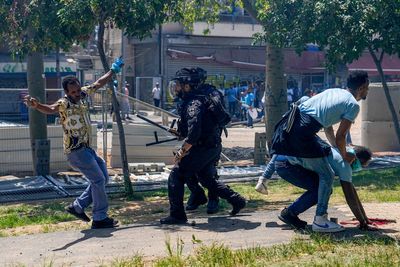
[74,117]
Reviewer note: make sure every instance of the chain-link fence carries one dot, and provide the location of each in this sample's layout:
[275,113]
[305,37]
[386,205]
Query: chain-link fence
[15,144]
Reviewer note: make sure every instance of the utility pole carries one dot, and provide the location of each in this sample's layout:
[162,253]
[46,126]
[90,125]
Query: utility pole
[123,56]
[160,64]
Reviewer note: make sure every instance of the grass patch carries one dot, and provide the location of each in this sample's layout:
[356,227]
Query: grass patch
[372,186]
[27,214]
[317,250]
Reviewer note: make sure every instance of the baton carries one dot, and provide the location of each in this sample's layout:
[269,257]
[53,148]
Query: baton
[152,122]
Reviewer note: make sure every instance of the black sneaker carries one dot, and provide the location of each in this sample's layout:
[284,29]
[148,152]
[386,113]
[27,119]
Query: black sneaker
[172,220]
[105,223]
[81,216]
[194,202]
[212,206]
[237,204]
[291,219]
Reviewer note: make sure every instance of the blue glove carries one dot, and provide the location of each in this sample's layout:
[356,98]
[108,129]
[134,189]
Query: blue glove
[117,65]
[115,82]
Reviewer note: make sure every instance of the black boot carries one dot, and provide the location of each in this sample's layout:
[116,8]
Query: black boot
[292,219]
[105,223]
[238,202]
[213,206]
[82,216]
[195,201]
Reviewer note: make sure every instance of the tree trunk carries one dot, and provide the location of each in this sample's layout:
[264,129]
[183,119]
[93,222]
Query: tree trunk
[392,110]
[124,158]
[275,82]
[58,73]
[275,90]
[37,120]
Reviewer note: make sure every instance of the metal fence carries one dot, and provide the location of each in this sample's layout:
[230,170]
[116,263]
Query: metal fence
[15,148]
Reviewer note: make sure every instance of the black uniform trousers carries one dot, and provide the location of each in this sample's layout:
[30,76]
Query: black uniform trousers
[200,163]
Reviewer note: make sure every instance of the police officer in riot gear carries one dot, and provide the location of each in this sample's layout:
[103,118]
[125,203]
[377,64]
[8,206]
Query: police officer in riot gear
[200,149]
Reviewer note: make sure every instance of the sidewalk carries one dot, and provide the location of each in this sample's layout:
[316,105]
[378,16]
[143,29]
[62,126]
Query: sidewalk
[95,247]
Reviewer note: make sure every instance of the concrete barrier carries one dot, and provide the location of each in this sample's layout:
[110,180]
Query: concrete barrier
[377,128]
[136,137]
[15,149]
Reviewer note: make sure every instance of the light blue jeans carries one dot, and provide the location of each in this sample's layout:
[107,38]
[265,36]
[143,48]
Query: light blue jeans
[326,174]
[94,168]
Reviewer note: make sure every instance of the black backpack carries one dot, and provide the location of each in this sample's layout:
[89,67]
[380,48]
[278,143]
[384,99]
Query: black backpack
[214,101]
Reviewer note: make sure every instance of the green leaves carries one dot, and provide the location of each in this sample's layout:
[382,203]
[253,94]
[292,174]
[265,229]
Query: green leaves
[32,26]
[344,27]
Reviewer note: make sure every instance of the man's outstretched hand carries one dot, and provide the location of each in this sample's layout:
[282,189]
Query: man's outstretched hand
[31,101]
[117,65]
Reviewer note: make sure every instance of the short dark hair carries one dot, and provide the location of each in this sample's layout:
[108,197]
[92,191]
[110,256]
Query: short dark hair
[70,79]
[356,79]
[363,153]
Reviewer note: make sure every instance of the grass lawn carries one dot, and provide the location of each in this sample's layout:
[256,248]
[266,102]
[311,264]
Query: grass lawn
[317,250]
[45,216]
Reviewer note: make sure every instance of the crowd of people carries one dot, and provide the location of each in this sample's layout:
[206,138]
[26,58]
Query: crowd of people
[299,155]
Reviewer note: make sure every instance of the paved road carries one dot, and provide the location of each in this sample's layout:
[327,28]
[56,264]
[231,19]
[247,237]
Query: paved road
[93,247]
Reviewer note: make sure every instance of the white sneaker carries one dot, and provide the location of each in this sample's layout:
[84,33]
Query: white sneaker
[321,224]
[261,186]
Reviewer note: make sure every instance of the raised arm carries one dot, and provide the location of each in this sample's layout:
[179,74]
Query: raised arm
[103,80]
[43,108]
[115,68]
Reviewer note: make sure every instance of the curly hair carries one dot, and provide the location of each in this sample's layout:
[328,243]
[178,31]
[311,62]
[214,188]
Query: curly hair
[363,153]
[70,79]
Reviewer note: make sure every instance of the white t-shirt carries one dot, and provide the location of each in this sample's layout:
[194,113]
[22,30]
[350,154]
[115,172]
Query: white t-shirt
[156,92]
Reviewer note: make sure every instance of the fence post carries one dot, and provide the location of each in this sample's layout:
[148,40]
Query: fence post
[260,148]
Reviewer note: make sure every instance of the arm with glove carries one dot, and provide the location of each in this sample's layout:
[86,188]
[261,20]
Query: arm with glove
[115,68]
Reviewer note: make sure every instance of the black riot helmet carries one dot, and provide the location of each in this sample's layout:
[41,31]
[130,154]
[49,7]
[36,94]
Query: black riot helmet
[191,76]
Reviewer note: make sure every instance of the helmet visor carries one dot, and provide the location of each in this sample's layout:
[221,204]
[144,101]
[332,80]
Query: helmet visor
[174,88]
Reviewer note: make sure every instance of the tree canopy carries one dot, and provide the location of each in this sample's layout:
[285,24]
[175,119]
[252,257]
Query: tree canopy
[35,26]
[344,29]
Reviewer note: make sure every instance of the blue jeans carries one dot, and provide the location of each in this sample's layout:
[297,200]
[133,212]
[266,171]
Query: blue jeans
[94,168]
[300,177]
[249,120]
[325,173]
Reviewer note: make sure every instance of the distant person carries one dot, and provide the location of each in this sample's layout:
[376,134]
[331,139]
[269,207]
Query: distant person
[232,100]
[156,94]
[125,104]
[250,108]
